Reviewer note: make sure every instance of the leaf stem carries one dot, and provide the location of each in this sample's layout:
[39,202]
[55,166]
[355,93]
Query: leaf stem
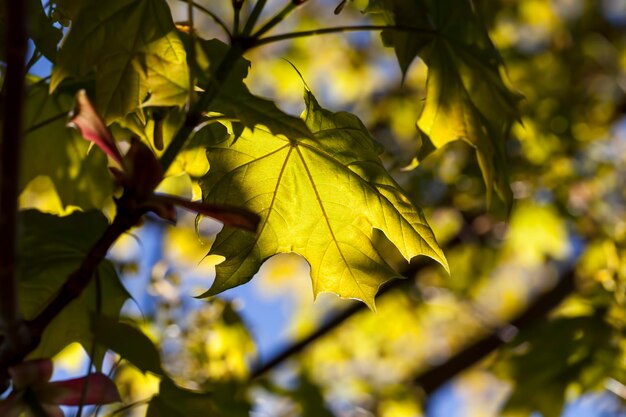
[130,406]
[46,122]
[12,107]
[279,17]
[194,115]
[192,50]
[237,5]
[339,29]
[212,15]
[92,352]
[33,60]
[254,16]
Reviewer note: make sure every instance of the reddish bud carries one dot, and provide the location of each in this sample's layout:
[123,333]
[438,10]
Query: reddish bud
[86,119]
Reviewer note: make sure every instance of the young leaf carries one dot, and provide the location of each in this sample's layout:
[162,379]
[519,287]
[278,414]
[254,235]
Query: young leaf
[50,249]
[136,53]
[319,197]
[86,119]
[466,97]
[129,342]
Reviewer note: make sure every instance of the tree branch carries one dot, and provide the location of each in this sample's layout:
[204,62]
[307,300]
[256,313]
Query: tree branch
[433,378]
[339,29]
[12,104]
[77,281]
[538,310]
[355,307]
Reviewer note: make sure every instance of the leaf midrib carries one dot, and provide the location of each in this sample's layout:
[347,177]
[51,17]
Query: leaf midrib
[367,184]
[330,228]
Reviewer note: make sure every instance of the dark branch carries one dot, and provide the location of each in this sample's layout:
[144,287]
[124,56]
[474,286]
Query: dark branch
[76,282]
[354,308]
[433,378]
[538,310]
[12,108]
[12,104]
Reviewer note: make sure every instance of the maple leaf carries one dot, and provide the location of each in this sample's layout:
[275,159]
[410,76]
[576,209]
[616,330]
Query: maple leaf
[319,197]
[135,51]
[466,94]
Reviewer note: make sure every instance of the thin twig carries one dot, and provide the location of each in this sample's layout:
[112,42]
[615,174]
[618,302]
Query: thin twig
[213,16]
[92,353]
[279,17]
[354,308]
[195,114]
[130,406]
[340,29]
[538,310]
[33,60]
[254,16]
[192,50]
[435,377]
[46,122]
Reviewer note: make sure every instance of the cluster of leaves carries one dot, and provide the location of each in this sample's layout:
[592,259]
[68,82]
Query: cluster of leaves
[318,185]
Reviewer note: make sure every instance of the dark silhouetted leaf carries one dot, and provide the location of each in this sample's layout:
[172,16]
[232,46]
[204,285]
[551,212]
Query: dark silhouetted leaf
[129,342]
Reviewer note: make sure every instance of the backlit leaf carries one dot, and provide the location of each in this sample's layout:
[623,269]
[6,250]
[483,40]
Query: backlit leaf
[135,51]
[52,149]
[466,96]
[318,197]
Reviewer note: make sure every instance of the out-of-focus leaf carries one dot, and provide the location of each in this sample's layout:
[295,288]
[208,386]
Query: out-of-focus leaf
[307,394]
[235,100]
[50,148]
[466,97]
[129,342]
[70,8]
[50,249]
[225,400]
[41,30]
[135,51]
[542,373]
[320,198]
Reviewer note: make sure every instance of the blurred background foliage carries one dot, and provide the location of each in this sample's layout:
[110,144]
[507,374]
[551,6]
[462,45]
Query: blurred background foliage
[567,167]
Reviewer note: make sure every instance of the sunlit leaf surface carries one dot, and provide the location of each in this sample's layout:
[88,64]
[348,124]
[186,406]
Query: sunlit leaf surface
[321,198]
[466,97]
[135,51]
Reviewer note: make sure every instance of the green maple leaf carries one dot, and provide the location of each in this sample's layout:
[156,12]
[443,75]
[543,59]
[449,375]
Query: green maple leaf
[466,96]
[135,51]
[50,249]
[40,29]
[319,197]
[52,149]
